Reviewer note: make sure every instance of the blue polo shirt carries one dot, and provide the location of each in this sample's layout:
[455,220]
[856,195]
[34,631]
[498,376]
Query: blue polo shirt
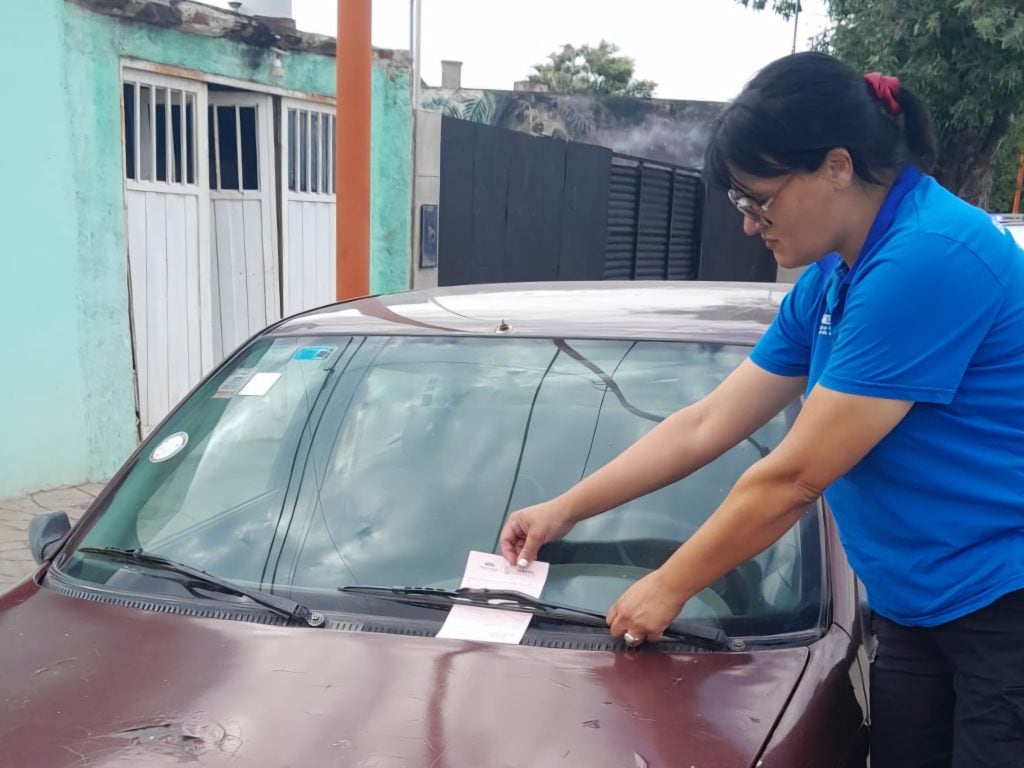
[932,311]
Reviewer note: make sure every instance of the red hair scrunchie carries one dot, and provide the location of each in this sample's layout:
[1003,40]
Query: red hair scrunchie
[886,89]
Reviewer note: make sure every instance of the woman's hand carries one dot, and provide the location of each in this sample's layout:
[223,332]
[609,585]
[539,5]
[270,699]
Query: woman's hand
[645,609]
[528,529]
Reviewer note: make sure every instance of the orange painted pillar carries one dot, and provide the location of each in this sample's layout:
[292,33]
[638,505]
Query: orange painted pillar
[354,58]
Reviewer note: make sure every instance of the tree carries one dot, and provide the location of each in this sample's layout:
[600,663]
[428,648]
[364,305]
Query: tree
[962,57]
[785,8]
[590,69]
[1004,168]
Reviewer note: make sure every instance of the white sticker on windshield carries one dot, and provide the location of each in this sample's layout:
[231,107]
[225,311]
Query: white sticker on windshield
[260,384]
[169,447]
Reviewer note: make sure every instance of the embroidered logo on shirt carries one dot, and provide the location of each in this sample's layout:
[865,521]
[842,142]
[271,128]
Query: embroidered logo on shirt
[825,328]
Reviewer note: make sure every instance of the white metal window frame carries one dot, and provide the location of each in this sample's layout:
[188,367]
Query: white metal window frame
[267,191]
[199,189]
[134,68]
[321,257]
[323,161]
[141,79]
[297,99]
[264,144]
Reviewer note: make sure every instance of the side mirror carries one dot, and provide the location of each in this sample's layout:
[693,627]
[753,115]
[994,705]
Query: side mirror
[45,532]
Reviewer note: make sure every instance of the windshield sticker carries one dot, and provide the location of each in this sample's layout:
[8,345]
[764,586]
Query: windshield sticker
[259,384]
[314,353]
[169,447]
[233,383]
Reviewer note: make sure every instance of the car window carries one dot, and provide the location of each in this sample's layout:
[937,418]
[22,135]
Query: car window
[387,460]
[217,501]
[427,444]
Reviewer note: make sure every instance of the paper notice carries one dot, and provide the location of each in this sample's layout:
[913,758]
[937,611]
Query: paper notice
[487,571]
[260,384]
[489,625]
[492,625]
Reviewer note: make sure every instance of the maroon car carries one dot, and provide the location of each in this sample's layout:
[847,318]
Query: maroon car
[263,582]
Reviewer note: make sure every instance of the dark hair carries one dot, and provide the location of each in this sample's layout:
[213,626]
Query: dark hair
[800,107]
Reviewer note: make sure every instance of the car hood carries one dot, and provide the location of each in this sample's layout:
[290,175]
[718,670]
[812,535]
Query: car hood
[91,684]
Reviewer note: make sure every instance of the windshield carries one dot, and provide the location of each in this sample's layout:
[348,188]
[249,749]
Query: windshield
[313,463]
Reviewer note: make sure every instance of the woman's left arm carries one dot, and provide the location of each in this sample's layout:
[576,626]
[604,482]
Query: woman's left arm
[833,432]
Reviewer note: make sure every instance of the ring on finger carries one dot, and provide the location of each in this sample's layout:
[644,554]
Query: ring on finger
[632,640]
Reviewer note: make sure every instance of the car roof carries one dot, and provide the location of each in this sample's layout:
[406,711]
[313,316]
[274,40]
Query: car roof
[1014,222]
[696,311]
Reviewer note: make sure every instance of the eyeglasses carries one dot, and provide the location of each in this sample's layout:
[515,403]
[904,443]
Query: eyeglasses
[752,209]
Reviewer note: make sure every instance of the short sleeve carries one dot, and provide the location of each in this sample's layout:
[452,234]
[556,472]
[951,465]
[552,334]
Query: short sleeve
[913,321]
[785,348]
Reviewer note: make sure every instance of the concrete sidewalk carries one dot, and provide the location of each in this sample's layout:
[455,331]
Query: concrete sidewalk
[15,560]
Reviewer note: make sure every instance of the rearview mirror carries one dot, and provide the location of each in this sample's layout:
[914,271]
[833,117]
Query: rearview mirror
[45,532]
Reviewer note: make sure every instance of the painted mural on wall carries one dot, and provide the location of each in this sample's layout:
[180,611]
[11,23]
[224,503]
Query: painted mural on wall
[673,132]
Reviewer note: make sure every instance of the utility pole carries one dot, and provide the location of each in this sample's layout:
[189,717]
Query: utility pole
[354,61]
[415,52]
[415,36]
[796,23]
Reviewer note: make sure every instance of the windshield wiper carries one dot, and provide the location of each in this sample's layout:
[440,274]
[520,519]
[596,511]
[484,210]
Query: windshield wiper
[510,600]
[282,606]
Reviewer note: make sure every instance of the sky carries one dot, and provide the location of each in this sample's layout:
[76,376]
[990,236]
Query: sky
[702,50]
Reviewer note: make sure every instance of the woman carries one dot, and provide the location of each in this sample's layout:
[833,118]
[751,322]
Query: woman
[908,341]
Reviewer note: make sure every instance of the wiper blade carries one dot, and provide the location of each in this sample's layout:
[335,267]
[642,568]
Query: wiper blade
[282,606]
[512,600]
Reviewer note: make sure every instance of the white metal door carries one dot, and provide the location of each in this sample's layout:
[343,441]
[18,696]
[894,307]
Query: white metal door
[168,235]
[308,208]
[245,290]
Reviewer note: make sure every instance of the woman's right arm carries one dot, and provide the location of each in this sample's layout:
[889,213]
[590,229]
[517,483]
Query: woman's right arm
[677,447]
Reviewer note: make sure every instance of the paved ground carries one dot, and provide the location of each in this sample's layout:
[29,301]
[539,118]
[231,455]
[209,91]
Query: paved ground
[15,561]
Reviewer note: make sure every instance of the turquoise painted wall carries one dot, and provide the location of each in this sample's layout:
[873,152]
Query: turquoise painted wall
[391,113]
[43,427]
[68,414]
[103,39]
[391,182]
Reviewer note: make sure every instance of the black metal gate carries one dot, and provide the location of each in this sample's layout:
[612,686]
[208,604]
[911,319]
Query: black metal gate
[516,207]
[653,221]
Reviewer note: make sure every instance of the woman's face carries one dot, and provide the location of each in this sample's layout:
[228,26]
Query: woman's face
[795,214]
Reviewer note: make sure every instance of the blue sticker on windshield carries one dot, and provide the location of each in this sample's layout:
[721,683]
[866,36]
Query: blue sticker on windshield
[314,353]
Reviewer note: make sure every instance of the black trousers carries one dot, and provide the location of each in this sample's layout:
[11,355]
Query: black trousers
[951,696]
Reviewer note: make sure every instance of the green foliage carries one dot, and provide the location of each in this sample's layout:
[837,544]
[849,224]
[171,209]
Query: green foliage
[590,69]
[1004,169]
[435,103]
[785,8]
[475,106]
[479,109]
[963,58]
